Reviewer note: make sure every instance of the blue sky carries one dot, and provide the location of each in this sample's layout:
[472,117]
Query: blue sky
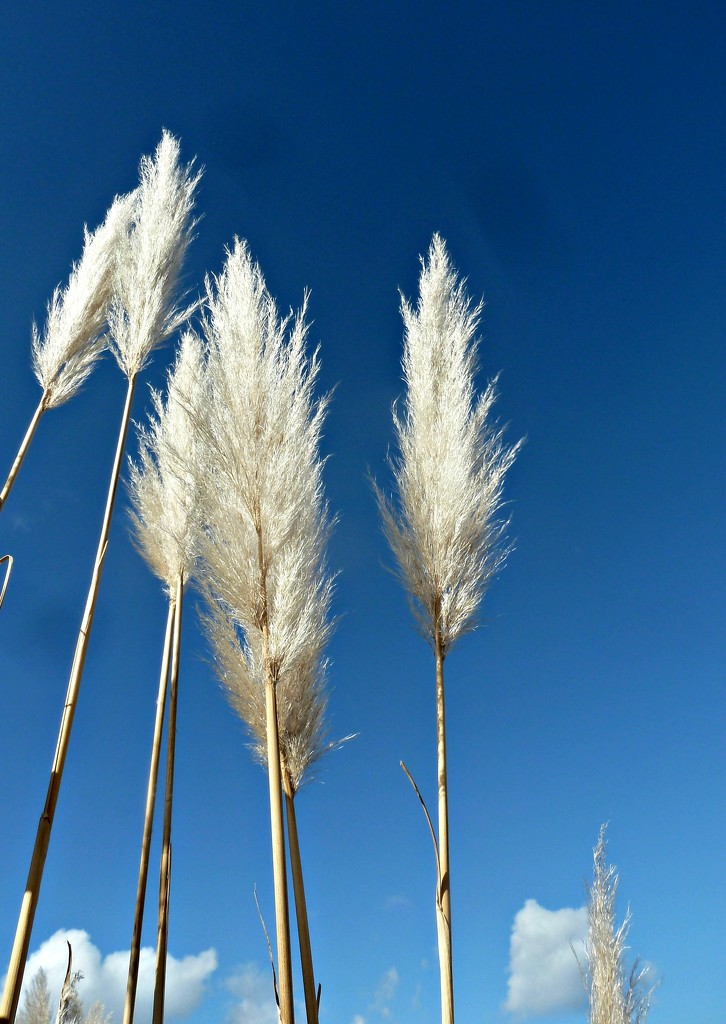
[573,158]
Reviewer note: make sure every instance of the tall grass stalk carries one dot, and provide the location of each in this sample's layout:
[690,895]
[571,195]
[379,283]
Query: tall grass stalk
[265,522]
[135,950]
[164,496]
[21,944]
[442,523]
[143,311]
[162,941]
[312,996]
[74,335]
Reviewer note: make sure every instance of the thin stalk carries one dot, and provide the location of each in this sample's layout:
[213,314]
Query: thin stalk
[131,984]
[277,827]
[301,911]
[165,873]
[9,560]
[163,935]
[22,451]
[443,903]
[16,968]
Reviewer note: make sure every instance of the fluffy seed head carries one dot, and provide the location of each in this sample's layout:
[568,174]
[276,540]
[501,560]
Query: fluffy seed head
[164,484]
[145,307]
[442,524]
[73,338]
[616,995]
[266,521]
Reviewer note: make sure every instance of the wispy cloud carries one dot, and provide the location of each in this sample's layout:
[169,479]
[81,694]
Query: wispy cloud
[385,992]
[104,978]
[544,977]
[253,990]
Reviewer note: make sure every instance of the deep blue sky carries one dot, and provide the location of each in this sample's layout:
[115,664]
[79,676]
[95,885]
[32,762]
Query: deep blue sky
[573,157]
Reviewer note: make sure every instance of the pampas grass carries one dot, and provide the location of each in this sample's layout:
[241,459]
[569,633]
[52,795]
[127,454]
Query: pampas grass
[443,524]
[262,550]
[142,311]
[164,520]
[74,335]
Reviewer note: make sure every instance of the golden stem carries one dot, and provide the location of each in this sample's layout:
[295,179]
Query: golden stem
[443,903]
[277,827]
[22,450]
[132,981]
[16,968]
[301,911]
[165,872]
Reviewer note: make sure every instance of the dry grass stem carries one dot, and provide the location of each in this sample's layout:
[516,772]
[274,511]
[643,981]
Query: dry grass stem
[14,977]
[165,869]
[312,1004]
[135,950]
[269,951]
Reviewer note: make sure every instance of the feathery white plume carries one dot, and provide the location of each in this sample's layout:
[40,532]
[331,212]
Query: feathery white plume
[145,309]
[73,338]
[266,521]
[164,485]
[451,465]
[616,995]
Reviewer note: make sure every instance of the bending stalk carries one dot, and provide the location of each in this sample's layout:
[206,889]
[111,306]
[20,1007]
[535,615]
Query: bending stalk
[277,828]
[133,976]
[23,450]
[16,968]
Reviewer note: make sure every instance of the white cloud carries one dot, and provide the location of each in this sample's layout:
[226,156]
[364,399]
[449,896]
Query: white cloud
[358,1019]
[544,977]
[386,991]
[253,988]
[104,978]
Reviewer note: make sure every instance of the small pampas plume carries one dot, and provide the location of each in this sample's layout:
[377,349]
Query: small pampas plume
[442,524]
[162,485]
[616,995]
[145,308]
[74,334]
[163,490]
[263,546]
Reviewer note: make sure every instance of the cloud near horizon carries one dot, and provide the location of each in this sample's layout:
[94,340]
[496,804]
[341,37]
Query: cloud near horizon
[544,977]
[253,990]
[104,978]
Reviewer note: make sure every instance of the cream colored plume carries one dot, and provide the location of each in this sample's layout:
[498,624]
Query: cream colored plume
[145,309]
[74,333]
[450,468]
